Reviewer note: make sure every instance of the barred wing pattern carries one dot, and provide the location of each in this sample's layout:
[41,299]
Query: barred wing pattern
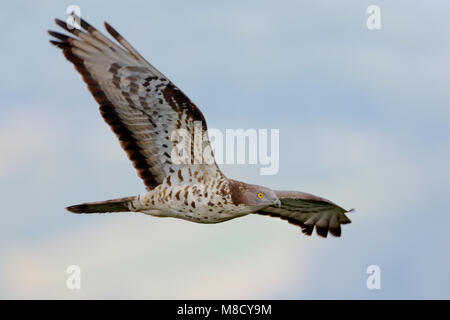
[307,211]
[139,103]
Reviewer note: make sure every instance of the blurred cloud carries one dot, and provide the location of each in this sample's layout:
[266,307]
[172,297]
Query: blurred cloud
[141,257]
[24,138]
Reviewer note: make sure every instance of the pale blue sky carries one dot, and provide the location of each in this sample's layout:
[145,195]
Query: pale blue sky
[364,120]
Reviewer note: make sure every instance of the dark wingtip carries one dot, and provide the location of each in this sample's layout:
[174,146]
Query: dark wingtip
[322,232]
[336,231]
[58,35]
[112,31]
[69,209]
[61,23]
[67,27]
[307,230]
[61,45]
[83,23]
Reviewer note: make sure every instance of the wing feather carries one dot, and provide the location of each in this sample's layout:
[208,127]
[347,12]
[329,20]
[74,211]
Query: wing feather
[142,107]
[309,211]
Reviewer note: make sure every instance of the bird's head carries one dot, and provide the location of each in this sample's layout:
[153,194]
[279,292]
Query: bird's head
[253,195]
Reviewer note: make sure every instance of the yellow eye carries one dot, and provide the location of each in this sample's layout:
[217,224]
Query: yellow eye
[260,195]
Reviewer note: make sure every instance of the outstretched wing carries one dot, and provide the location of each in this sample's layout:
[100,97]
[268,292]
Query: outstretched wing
[139,103]
[307,211]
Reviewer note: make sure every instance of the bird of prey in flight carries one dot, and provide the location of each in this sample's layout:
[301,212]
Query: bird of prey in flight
[145,109]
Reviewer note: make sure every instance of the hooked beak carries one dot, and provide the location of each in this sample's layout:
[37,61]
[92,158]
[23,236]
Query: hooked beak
[276,203]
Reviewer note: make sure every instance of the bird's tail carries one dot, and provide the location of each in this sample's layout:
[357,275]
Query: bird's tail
[115,205]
